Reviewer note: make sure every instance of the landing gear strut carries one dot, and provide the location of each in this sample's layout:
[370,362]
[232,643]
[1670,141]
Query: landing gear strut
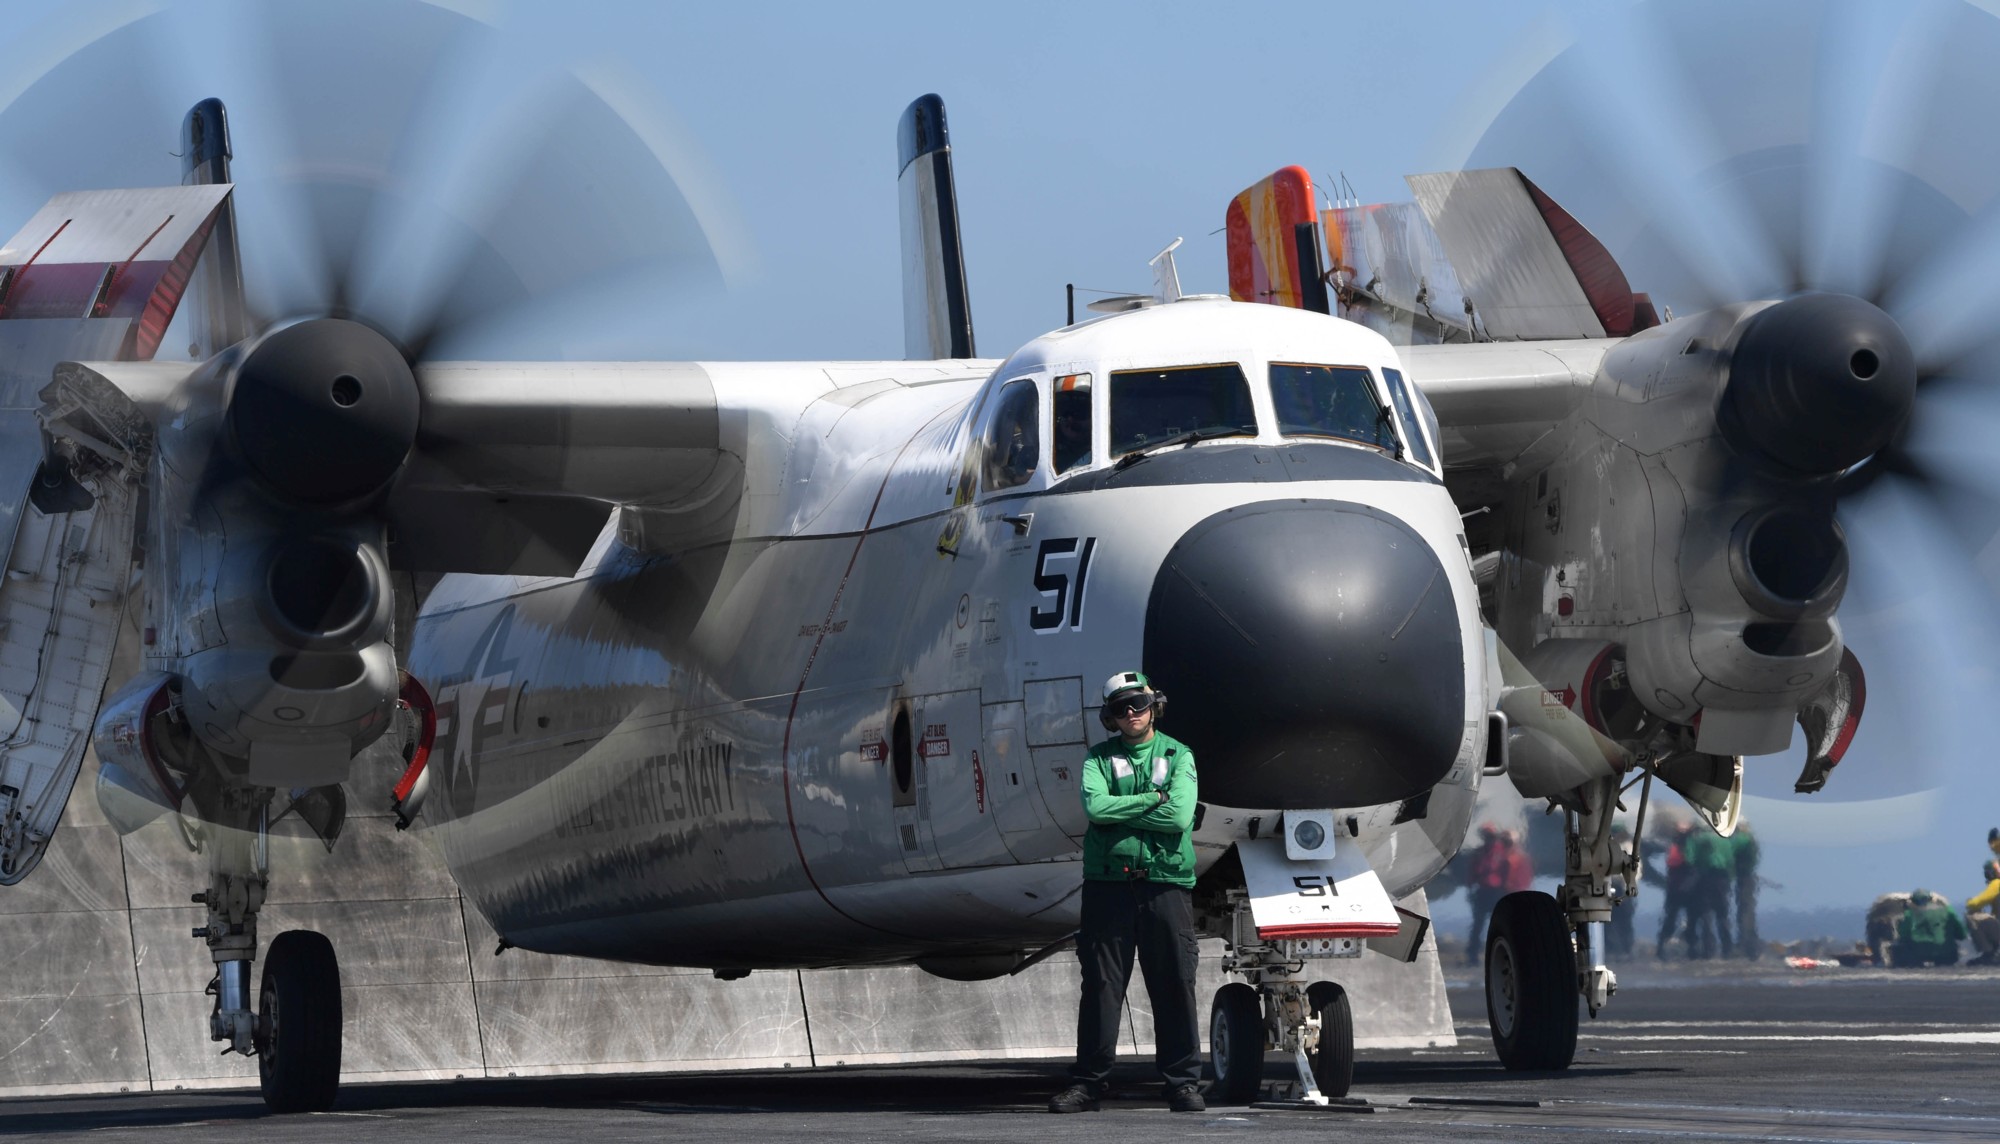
[294,1028]
[1273,1008]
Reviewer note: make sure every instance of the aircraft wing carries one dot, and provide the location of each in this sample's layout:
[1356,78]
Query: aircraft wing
[517,465]
[1494,400]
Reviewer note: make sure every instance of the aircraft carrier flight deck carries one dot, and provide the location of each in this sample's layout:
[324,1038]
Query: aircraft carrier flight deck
[1767,1053]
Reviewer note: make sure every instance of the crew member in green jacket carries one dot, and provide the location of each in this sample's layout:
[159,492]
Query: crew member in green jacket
[1744,854]
[1138,878]
[1708,931]
[1929,932]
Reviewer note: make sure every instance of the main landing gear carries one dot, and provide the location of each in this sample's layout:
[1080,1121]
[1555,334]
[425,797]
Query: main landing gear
[1273,1008]
[1531,983]
[294,1030]
[1544,953]
[298,1019]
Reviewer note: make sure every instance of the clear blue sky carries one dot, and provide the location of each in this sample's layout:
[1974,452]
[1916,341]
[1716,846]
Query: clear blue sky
[1087,136]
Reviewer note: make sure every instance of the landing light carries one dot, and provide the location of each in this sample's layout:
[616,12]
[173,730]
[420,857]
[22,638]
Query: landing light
[1309,835]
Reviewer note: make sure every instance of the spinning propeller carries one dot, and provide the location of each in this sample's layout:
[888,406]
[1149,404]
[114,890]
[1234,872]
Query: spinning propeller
[410,184]
[1837,155]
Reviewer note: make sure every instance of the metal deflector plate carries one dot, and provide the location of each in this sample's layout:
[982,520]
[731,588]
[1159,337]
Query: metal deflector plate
[1326,897]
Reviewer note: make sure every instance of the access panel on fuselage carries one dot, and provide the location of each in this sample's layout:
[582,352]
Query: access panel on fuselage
[952,795]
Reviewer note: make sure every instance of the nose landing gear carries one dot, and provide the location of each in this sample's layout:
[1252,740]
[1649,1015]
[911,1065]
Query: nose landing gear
[1272,1008]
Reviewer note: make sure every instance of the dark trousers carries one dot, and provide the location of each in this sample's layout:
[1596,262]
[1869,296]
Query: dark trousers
[1484,898]
[1677,899]
[1746,917]
[1906,953]
[1985,930]
[1157,921]
[1708,925]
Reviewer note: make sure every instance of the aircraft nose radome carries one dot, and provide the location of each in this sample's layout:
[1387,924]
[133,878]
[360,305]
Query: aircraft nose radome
[1311,655]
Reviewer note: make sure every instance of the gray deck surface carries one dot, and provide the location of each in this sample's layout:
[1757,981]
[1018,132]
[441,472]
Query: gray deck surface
[1684,1053]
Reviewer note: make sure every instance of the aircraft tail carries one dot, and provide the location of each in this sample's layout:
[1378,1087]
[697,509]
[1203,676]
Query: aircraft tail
[218,319]
[937,315]
[1274,243]
[1480,256]
[1528,267]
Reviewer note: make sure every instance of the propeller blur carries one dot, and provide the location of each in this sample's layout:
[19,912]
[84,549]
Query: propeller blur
[791,664]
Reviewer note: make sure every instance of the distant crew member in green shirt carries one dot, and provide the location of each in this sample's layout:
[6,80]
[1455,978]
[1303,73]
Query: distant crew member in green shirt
[1138,877]
[1708,853]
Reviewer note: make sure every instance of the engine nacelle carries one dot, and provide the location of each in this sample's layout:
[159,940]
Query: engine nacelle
[269,589]
[306,673]
[1690,518]
[134,785]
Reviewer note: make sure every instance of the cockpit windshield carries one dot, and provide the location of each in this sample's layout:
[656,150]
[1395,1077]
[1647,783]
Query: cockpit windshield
[1154,406]
[1331,401]
[1399,392]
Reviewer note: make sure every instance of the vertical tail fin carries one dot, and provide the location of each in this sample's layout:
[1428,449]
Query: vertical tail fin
[218,319]
[937,315]
[1271,259]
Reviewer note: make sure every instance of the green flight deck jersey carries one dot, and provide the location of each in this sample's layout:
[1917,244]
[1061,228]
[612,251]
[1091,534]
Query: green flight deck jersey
[1707,850]
[1132,833]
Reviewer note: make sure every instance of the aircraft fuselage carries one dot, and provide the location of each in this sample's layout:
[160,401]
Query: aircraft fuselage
[846,727]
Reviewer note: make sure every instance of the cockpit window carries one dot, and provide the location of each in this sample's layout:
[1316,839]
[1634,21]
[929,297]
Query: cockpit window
[1014,439]
[1071,398]
[1154,406]
[1330,401]
[1413,426]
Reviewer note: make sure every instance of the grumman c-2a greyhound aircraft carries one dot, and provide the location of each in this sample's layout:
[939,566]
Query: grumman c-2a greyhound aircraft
[760,665]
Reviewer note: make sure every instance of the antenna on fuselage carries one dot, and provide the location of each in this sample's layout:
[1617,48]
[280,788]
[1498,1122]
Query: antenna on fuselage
[1166,280]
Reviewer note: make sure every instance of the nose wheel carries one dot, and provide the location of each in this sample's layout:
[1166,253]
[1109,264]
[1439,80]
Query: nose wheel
[1236,1044]
[298,1023]
[1333,1058]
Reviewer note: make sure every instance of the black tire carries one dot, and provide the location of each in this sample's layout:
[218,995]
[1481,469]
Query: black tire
[1531,993]
[1236,1044]
[298,1023]
[1333,1061]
